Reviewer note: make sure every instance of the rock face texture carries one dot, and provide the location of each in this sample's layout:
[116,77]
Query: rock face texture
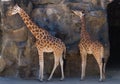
[56,17]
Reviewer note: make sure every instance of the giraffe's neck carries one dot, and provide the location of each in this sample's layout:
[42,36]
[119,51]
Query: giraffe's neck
[83,33]
[31,25]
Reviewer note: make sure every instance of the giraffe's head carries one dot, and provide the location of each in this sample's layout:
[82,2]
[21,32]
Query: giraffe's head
[78,13]
[13,10]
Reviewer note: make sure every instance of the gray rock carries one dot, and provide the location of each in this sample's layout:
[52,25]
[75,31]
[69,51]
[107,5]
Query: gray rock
[57,18]
[2,63]
[45,1]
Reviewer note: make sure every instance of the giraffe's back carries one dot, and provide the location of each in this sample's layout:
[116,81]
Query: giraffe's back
[91,46]
[51,44]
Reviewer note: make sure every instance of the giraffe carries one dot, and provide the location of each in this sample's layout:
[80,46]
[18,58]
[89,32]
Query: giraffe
[45,42]
[89,46]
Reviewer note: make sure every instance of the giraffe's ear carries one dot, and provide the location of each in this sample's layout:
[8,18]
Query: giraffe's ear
[16,6]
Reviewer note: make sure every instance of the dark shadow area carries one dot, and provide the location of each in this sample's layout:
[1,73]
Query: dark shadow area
[113,12]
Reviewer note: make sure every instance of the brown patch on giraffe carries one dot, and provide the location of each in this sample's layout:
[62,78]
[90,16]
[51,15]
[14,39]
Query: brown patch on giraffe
[45,37]
[27,23]
[36,30]
[30,23]
[26,19]
[27,16]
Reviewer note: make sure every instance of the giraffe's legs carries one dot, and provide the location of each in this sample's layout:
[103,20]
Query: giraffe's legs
[84,60]
[101,72]
[56,63]
[101,68]
[62,72]
[104,67]
[41,65]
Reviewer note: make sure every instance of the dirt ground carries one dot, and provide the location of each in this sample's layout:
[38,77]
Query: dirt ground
[113,77]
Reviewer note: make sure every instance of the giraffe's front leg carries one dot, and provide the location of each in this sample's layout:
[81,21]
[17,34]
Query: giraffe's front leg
[101,68]
[41,66]
[84,60]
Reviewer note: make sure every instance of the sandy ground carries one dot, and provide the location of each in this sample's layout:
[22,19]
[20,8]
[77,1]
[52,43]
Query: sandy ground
[113,77]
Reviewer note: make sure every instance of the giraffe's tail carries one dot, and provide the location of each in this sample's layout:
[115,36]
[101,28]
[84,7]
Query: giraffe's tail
[103,66]
[103,62]
[103,59]
[64,53]
[64,58]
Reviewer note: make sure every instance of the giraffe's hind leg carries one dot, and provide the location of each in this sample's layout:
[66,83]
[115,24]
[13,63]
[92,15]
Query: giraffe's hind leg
[104,67]
[83,65]
[102,71]
[61,65]
[56,63]
[83,55]
[101,67]
[41,65]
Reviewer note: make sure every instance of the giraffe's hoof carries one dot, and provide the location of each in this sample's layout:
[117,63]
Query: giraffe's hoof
[41,80]
[61,79]
[82,78]
[101,80]
[49,79]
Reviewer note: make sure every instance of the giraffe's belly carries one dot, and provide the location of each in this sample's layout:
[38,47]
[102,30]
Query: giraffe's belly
[89,51]
[46,49]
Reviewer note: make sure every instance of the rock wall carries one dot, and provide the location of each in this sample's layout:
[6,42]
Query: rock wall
[56,17]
